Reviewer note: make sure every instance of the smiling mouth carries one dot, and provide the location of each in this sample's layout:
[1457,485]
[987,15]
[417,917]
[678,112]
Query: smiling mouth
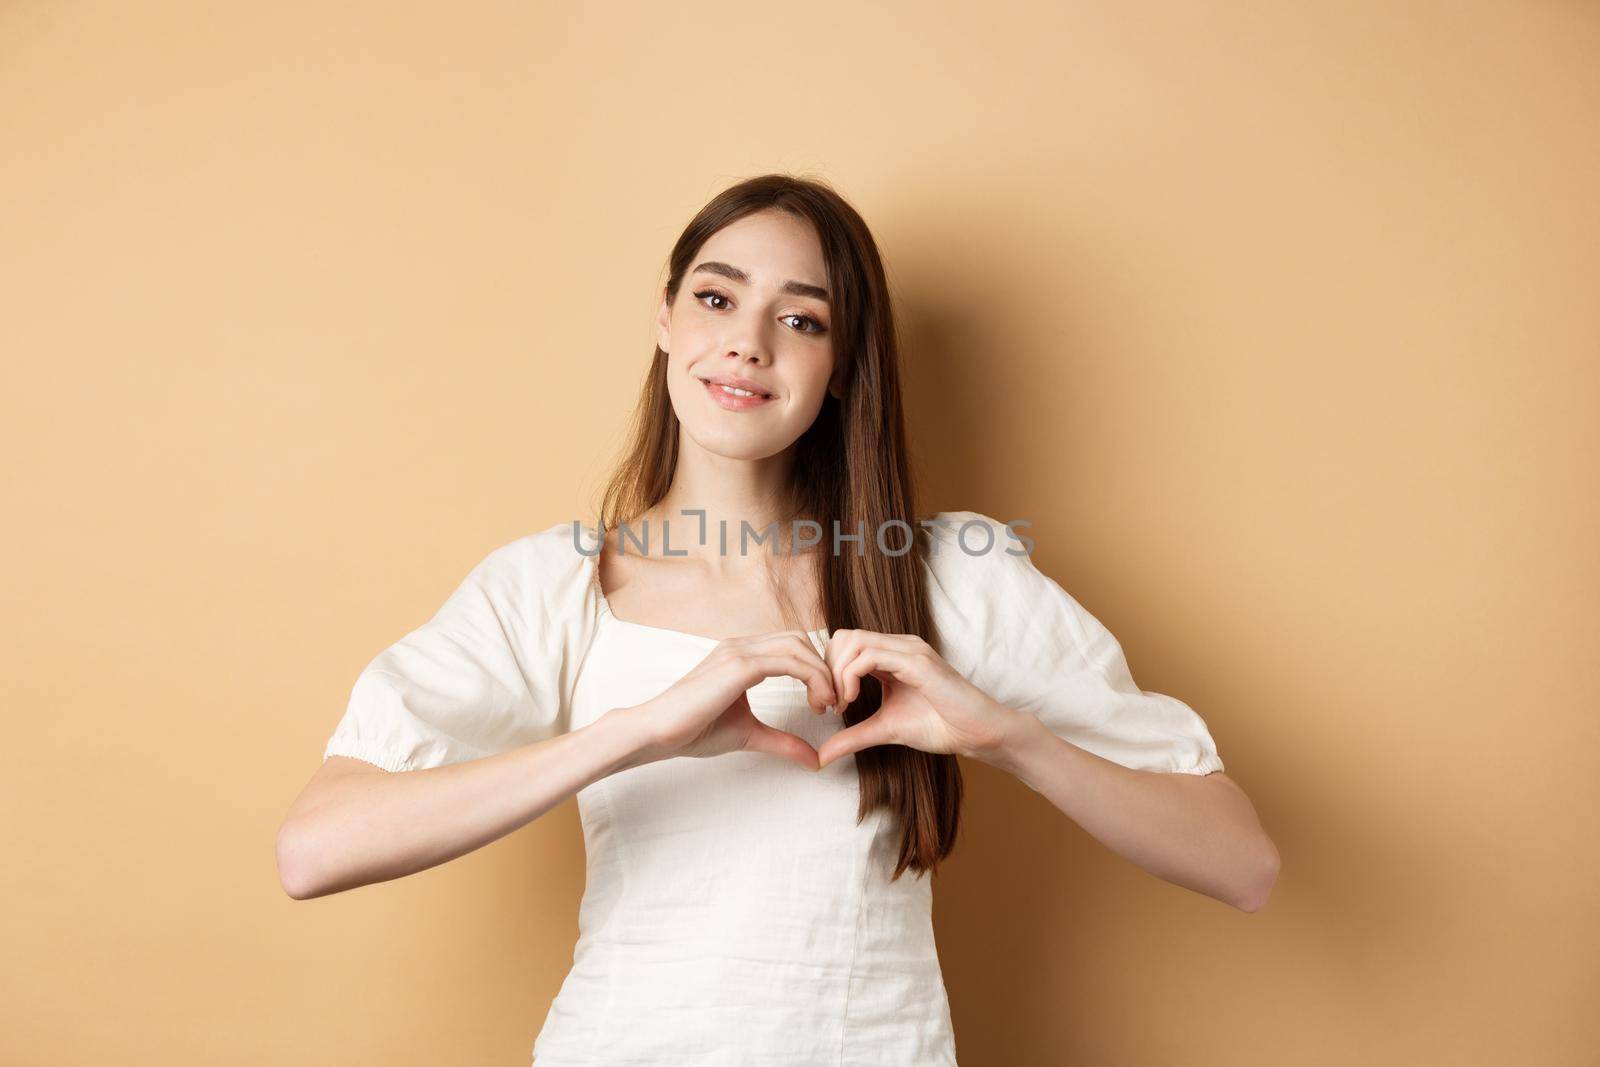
[736,401]
[736,391]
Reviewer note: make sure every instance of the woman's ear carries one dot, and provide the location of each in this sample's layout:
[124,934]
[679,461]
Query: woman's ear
[664,324]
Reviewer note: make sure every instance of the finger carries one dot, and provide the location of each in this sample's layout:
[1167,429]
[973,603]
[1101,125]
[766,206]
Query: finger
[797,640]
[822,692]
[808,654]
[791,640]
[830,691]
[870,731]
[842,647]
[872,658]
[764,738]
[819,683]
[845,645]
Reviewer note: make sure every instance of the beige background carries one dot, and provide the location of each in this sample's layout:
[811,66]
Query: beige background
[1278,320]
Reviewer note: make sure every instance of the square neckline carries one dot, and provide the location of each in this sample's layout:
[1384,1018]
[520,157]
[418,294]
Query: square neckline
[606,610]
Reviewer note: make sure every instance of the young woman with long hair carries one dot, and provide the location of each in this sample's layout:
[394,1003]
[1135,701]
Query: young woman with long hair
[756,672]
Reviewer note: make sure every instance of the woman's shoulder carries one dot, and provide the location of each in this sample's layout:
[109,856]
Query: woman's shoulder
[973,546]
[973,567]
[551,565]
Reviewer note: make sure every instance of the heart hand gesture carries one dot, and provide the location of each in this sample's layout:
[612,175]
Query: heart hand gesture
[706,712]
[927,705]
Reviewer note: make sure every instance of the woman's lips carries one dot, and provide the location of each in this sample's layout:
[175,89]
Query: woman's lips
[735,403]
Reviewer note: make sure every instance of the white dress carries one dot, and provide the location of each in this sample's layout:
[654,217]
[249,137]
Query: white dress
[735,912]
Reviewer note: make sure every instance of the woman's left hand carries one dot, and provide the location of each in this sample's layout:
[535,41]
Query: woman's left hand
[926,704]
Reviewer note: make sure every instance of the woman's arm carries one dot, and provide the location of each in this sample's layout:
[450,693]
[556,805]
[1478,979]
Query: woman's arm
[356,824]
[1197,831]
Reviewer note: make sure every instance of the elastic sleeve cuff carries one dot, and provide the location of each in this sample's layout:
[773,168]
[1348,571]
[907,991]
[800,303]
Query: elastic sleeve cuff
[1205,765]
[367,753]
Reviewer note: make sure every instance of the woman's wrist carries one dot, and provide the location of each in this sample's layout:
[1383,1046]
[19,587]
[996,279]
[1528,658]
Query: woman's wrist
[1019,736]
[627,727]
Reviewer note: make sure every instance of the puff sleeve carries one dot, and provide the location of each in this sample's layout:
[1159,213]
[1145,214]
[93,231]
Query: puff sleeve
[490,671]
[1018,636]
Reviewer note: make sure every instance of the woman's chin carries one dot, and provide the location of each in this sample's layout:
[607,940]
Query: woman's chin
[733,444]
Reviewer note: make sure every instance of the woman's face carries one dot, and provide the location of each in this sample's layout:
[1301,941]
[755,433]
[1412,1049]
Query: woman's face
[753,305]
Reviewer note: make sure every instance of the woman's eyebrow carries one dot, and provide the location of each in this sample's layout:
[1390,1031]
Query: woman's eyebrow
[714,266]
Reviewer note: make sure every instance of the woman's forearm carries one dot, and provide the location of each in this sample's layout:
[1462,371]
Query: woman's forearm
[1197,831]
[361,828]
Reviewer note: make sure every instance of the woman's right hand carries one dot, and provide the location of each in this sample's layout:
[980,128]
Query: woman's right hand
[706,712]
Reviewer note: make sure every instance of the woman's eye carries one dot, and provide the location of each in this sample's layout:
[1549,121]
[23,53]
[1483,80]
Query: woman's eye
[814,327]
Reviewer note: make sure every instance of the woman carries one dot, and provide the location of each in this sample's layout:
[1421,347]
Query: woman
[752,908]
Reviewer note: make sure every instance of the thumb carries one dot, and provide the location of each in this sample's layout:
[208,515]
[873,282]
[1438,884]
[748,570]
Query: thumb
[873,730]
[764,738]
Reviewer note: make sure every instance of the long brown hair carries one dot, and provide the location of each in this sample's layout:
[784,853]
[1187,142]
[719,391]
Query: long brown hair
[850,467]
